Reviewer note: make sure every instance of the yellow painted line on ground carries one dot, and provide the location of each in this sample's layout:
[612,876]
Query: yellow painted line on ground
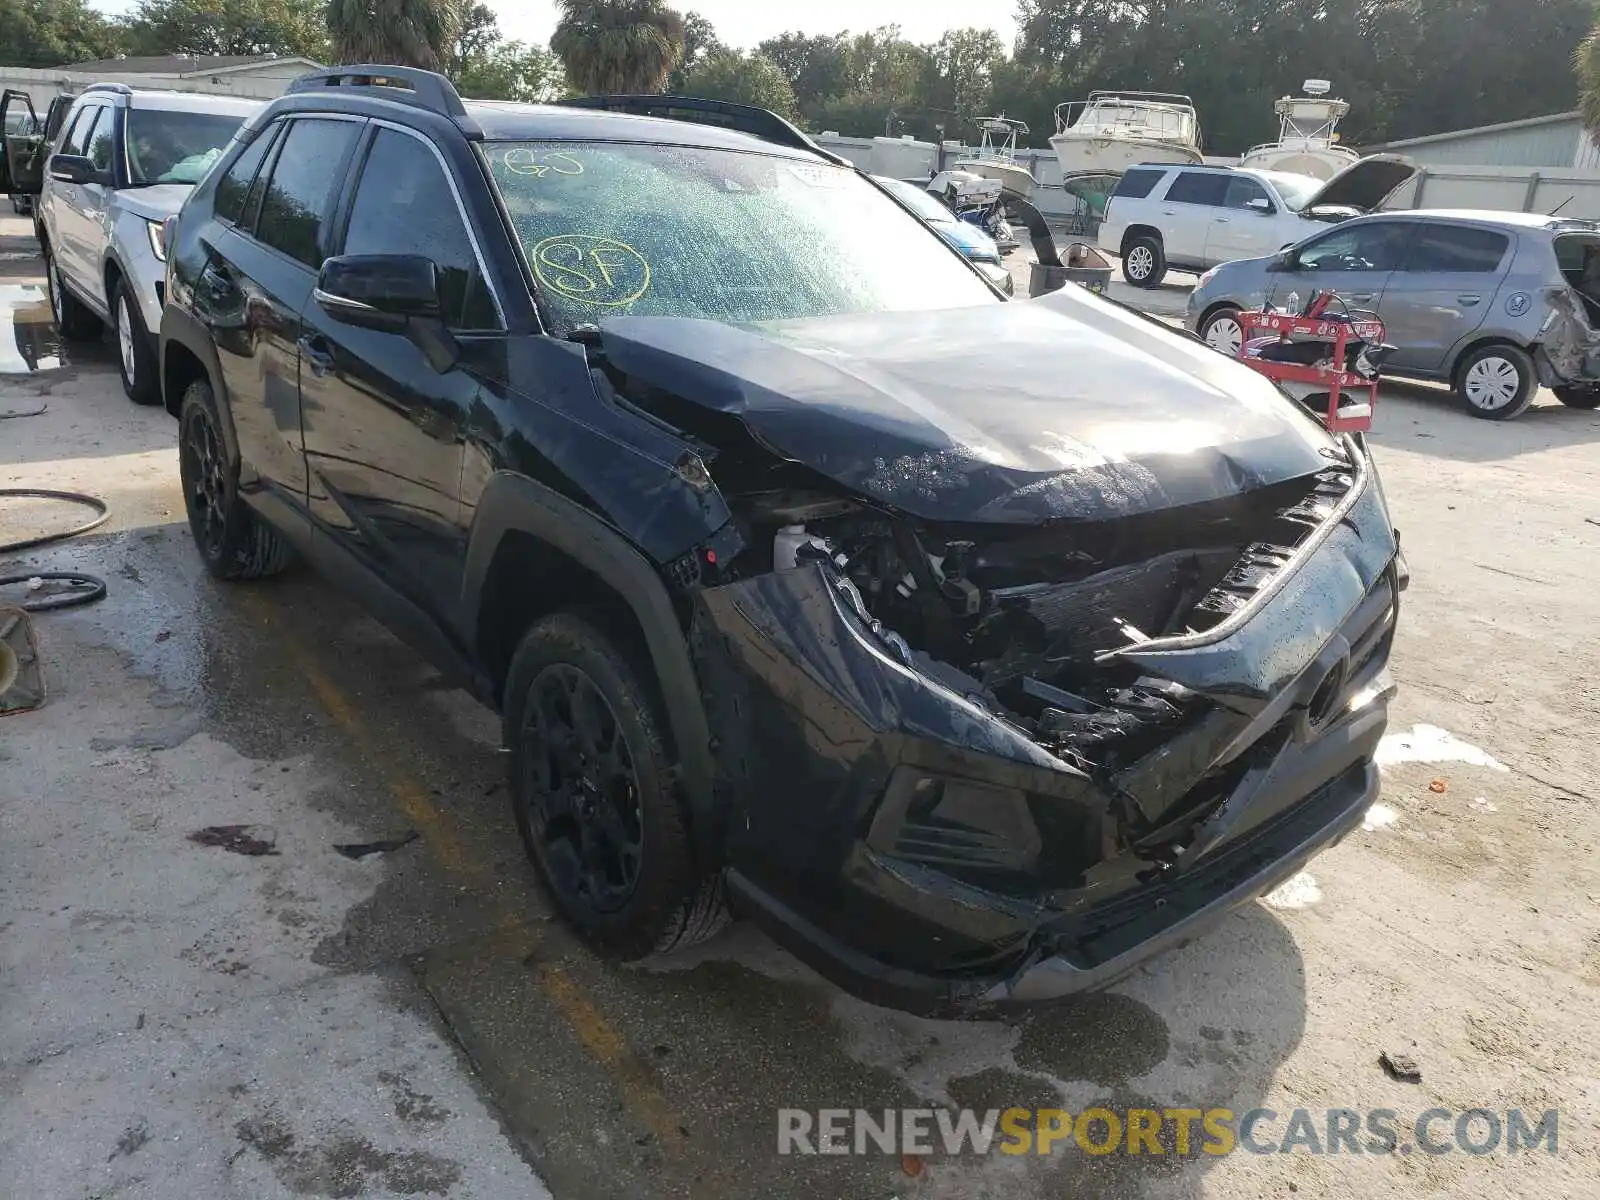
[602,1041]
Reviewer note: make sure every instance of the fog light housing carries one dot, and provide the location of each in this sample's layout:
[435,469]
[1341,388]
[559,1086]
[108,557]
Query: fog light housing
[955,825]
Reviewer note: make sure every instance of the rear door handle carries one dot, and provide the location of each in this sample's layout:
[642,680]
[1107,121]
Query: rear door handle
[314,350]
[1362,297]
[1468,301]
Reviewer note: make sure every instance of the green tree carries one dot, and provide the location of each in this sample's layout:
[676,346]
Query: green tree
[742,78]
[958,76]
[511,71]
[618,46]
[817,67]
[49,33]
[699,40]
[197,27]
[406,33]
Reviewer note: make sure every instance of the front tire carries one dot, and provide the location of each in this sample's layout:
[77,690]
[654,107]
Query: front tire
[1145,263]
[1223,331]
[1578,397]
[593,797]
[136,355]
[75,321]
[1497,382]
[234,543]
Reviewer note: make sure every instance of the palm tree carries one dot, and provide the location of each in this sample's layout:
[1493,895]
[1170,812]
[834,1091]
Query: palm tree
[627,46]
[407,33]
[1586,61]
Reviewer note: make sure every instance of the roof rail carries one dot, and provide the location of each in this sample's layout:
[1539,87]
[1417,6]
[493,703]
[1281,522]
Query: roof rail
[403,85]
[121,89]
[745,118]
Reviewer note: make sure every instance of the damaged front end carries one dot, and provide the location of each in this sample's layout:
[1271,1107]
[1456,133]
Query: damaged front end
[1018,666]
[978,765]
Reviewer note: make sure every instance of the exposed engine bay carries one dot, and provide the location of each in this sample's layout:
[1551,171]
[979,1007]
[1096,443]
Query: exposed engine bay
[1027,625]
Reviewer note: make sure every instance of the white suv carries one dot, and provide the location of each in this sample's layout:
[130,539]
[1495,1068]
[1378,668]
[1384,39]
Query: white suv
[123,162]
[1193,218]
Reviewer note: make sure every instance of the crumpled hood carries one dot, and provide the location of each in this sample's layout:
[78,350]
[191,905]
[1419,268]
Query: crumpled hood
[1022,412]
[156,202]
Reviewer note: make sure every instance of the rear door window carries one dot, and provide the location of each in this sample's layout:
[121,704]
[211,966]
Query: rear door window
[1457,250]
[1138,183]
[1198,187]
[296,203]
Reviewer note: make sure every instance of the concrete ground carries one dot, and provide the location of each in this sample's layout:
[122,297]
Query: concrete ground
[180,1020]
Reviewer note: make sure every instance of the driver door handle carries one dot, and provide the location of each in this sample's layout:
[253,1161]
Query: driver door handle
[1222,220]
[1361,297]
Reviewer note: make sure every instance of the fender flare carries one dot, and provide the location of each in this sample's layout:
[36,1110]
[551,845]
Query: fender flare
[513,503]
[182,327]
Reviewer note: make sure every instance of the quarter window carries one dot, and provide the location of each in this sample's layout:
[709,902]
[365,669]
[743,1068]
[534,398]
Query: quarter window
[1198,187]
[234,186]
[1458,249]
[405,205]
[294,207]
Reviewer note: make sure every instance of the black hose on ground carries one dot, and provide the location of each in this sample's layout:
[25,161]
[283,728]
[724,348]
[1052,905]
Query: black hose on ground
[102,515]
[90,589]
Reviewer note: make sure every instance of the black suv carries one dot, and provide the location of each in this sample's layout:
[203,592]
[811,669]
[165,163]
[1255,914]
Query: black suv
[976,649]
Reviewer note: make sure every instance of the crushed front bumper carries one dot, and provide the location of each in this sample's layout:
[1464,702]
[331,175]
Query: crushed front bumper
[824,740]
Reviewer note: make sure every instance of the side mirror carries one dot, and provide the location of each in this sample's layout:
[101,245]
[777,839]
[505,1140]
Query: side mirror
[379,291]
[75,168]
[1287,259]
[392,293]
[1261,205]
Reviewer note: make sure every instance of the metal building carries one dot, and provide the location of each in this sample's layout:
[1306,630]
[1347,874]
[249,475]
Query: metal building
[1556,141]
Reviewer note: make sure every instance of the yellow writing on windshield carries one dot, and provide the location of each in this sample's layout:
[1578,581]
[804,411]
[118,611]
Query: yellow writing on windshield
[591,269]
[520,160]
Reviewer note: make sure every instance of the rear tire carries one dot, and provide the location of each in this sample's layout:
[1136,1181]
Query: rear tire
[1578,397]
[1145,263]
[594,799]
[234,543]
[1497,382]
[136,355]
[75,320]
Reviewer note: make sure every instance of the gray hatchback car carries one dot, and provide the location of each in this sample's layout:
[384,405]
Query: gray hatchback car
[1492,303]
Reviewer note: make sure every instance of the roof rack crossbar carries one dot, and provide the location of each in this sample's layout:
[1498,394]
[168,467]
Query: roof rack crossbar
[745,118]
[121,89]
[404,85]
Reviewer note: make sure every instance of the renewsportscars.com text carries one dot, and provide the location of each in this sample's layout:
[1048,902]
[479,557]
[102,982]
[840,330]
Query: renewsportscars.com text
[1176,1131]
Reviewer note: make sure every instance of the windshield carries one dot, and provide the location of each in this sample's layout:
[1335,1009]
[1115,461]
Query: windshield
[1296,190]
[916,199]
[654,230]
[176,147]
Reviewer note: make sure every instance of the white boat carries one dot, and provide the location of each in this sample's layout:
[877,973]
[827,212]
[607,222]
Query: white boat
[1111,131]
[996,155]
[1308,141]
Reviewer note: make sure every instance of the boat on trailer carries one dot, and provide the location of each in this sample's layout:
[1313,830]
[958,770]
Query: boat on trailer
[1111,131]
[1308,139]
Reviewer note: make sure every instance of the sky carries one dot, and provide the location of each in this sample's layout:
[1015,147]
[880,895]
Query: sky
[743,23]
